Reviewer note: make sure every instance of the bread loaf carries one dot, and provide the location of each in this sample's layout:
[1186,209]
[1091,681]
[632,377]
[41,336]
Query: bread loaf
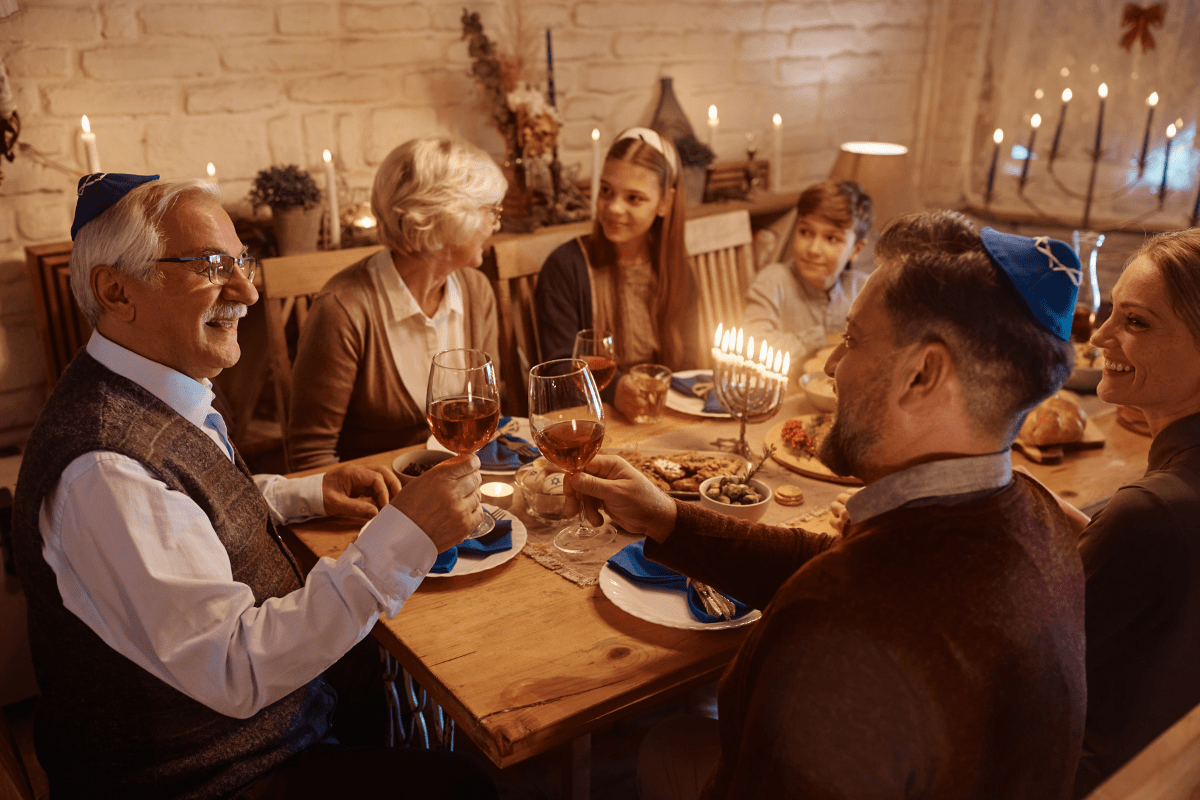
[1055,420]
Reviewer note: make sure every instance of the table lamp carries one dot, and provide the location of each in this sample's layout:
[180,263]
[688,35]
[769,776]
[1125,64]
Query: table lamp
[884,171]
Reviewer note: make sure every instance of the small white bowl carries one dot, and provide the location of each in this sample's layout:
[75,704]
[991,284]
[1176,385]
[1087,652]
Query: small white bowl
[820,390]
[425,458]
[752,512]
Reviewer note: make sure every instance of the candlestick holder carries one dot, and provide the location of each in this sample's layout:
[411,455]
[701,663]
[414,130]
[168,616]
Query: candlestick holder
[750,389]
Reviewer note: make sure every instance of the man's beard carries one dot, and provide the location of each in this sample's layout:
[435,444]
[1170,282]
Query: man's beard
[855,430]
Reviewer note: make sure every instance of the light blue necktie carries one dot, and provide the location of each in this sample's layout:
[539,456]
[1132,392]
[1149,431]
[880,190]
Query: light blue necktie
[217,424]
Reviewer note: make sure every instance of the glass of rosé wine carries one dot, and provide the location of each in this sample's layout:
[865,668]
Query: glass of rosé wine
[566,418]
[596,348]
[462,406]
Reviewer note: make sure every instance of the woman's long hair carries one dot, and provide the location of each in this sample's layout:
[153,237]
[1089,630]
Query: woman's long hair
[667,250]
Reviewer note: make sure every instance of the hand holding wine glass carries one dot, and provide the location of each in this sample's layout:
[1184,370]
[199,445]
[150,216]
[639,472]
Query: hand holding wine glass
[595,347]
[566,418]
[462,406]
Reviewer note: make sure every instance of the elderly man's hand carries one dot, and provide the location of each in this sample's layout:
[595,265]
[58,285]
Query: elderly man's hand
[355,490]
[627,495]
[444,501]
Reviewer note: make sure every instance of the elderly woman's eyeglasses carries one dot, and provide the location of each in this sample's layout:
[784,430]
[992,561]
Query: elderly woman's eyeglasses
[494,211]
[220,267]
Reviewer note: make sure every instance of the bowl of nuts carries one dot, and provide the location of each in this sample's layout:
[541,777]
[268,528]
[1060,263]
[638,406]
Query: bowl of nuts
[414,463]
[738,497]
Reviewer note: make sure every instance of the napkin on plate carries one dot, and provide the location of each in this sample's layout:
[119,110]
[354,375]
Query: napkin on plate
[631,562]
[497,541]
[498,455]
[700,386]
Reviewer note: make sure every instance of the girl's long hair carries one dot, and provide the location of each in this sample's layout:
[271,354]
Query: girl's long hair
[667,250]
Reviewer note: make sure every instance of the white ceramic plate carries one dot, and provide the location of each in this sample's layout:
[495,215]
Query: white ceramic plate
[522,433]
[469,565]
[690,405]
[660,606]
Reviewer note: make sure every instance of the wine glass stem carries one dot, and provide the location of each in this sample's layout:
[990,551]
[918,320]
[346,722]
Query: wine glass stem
[585,527]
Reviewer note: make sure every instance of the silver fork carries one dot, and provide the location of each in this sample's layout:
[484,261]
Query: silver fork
[499,514]
[518,446]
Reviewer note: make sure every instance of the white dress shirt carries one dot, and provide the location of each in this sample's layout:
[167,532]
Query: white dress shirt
[414,337]
[142,566]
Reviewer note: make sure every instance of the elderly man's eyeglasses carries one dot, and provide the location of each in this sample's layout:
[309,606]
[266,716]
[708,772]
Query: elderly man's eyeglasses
[220,267]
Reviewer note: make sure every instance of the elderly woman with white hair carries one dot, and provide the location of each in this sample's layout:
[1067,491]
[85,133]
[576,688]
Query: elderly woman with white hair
[363,358]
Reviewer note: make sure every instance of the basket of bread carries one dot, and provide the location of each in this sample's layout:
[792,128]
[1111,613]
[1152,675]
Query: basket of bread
[1054,426]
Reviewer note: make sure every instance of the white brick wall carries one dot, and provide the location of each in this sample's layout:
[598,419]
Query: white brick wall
[170,86]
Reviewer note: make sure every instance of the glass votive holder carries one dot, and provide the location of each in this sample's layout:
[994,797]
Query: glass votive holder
[497,494]
[648,384]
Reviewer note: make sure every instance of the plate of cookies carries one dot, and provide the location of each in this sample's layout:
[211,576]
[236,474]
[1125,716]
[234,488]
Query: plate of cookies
[679,473]
[797,442]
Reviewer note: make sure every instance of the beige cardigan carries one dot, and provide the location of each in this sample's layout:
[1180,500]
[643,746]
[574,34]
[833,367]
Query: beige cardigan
[347,397]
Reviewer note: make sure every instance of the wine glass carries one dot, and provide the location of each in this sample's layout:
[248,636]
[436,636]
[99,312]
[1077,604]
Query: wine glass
[462,406]
[566,418]
[596,348]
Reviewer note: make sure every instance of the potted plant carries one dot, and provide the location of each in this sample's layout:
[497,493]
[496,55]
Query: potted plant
[295,200]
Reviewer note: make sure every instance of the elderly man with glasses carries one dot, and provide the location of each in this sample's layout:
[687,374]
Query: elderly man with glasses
[178,648]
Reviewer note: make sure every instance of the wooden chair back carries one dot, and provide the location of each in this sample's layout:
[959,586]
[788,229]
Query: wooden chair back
[288,284]
[721,254]
[518,260]
[62,327]
[1168,769]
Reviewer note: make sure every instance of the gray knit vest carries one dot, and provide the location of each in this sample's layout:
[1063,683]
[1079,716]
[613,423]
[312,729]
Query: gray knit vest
[106,727]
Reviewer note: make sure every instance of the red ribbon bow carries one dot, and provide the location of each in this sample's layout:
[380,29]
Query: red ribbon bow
[1139,20]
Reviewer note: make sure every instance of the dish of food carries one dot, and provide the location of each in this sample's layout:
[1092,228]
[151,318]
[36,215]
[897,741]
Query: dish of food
[469,565]
[679,473]
[797,441]
[522,432]
[690,405]
[1054,426]
[660,606]
[820,390]
[1089,366]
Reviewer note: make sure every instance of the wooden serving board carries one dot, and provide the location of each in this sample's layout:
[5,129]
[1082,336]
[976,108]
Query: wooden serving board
[803,463]
[1093,438]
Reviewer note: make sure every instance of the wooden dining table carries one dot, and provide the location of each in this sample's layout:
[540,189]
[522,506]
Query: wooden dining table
[525,661]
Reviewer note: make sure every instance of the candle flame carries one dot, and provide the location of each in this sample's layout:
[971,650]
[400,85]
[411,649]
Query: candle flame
[1038,94]
[1103,90]
[998,136]
[1066,95]
[326,155]
[87,126]
[212,170]
[1171,130]
[1152,100]
[366,221]
[777,120]
[595,134]
[712,113]
[1036,120]
[717,337]
[1064,72]
[1179,124]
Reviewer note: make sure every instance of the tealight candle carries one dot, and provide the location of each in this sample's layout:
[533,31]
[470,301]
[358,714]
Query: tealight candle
[497,494]
[89,145]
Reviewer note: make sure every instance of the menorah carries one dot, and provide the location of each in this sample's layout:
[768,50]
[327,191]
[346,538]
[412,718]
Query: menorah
[750,389]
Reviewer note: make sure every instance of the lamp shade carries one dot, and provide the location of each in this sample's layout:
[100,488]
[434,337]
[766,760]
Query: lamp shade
[884,171]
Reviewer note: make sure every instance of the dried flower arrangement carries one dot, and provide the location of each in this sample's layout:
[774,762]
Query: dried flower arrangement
[284,186]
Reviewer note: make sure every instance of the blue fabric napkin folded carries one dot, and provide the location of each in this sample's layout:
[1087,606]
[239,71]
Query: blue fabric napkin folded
[687,386]
[497,455]
[631,562]
[497,541]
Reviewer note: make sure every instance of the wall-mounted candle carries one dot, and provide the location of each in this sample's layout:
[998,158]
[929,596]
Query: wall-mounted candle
[997,137]
[211,169]
[550,70]
[1162,189]
[1066,98]
[1151,102]
[595,167]
[89,145]
[331,198]
[777,155]
[1103,91]
[713,122]
[1035,122]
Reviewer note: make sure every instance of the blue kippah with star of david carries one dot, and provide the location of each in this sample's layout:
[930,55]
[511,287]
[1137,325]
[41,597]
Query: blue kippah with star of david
[1044,271]
[100,191]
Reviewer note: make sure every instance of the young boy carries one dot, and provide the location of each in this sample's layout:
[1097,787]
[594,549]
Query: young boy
[795,306]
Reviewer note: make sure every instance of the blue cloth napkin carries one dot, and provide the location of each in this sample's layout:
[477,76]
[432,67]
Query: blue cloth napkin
[497,541]
[631,562]
[687,386]
[497,455]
